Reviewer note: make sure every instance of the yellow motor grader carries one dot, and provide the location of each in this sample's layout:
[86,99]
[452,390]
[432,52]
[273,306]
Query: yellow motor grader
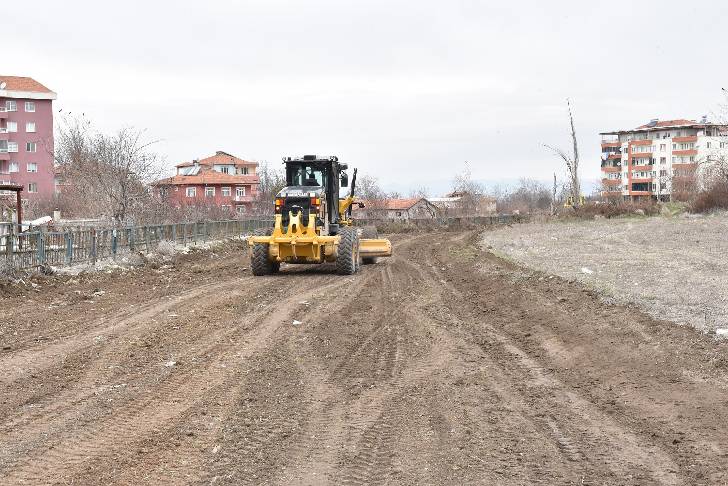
[312,224]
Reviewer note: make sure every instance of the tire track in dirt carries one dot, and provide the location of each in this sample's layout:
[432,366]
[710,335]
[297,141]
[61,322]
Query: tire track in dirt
[161,405]
[98,364]
[39,358]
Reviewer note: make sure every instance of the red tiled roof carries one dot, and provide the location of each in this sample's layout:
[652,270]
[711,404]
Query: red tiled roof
[20,83]
[210,178]
[220,157]
[669,123]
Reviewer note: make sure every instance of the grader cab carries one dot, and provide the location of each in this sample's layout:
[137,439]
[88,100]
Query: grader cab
[313,224]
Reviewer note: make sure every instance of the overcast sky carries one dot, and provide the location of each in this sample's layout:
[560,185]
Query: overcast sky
[406,91]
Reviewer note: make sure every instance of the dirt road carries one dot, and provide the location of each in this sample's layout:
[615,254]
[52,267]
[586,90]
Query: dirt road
[441,365]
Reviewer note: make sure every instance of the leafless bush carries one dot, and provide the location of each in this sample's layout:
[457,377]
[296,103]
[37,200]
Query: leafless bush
[530,196]
[612,210]
[716,197]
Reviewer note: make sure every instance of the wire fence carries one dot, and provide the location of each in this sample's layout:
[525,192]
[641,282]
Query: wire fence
[35,249]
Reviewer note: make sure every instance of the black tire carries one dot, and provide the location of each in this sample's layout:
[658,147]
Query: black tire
[259,262]
[369,232]
[347,261]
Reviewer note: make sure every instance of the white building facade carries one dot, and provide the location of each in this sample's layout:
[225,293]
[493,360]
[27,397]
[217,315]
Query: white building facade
[661,159]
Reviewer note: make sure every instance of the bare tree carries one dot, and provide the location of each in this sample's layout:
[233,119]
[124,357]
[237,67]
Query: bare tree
[571,161]
[271,182]
[553,197]
[107,176]
[469,191]
[419,193]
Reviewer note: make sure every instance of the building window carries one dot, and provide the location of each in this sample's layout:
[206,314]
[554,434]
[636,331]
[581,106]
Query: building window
[226,207]
[32,167]
[663,147]
[226,191]
[30,127]
[240,191]
[707,144]
[663,160]
[243,171]
[209,192]
[191,191]
[31,147]
[12,127]
[11,105]
[30,106]
[240,209]
[13,167]
[224,169]
[12,147]
[32,187]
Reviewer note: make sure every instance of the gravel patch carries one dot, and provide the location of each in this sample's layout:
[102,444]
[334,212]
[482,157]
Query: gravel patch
[673,268]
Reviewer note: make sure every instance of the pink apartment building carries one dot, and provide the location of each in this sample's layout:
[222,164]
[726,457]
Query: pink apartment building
[26,136]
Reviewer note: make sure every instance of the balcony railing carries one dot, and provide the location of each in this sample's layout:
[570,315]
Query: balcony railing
[3,130]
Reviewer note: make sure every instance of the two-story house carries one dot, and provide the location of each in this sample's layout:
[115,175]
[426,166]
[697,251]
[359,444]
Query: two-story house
[221,180]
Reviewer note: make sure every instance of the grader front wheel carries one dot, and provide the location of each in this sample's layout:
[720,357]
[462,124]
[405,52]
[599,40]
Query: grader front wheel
[347,261]
[259,262]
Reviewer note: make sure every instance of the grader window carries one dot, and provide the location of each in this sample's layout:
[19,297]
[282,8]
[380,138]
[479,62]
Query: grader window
[305,175]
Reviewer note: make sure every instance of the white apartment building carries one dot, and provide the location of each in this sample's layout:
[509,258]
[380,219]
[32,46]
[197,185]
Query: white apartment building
[660,159]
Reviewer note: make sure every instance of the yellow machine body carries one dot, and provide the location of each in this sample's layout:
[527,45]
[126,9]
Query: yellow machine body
[299,243]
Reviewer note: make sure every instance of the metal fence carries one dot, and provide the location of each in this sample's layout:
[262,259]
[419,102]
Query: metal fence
[88,245]
[63,248]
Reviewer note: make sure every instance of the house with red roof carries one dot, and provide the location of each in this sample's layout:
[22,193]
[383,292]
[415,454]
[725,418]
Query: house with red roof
[222,180]
[26,136]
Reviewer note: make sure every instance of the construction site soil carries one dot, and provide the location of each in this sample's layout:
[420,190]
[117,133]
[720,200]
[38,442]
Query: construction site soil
[440,365]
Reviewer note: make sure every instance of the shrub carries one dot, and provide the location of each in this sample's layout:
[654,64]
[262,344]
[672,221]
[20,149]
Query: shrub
[711,199]
[612,210]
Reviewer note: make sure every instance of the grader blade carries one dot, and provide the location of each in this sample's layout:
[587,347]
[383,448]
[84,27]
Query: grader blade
[374,248]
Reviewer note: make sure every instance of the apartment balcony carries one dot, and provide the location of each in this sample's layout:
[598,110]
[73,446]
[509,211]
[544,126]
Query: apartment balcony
[640,193]
[4,135]
[615,156]
[611,169]
[641,180]
[611,182]
[643,168]
[692,138]
[243,199]
[4,155]
[3,113]
[611,144]
[685,152]
[687,165]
